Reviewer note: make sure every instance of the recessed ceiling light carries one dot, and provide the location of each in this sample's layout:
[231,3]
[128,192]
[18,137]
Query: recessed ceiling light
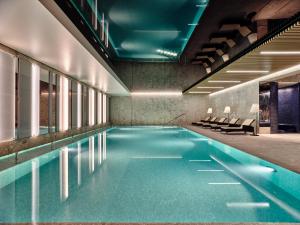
[279,74]
[168,53]
[199,92]
[211,87]
[280,52]
[288,82]
[157,93]
[247,71]
[224,81]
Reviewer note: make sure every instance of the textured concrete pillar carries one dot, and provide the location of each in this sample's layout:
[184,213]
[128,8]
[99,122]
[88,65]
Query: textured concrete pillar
[7,96]
[274,107]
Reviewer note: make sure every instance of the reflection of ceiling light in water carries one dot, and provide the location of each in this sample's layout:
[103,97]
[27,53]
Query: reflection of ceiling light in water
[193,24]
[263,169]
[269,169]
[247,204]
[167,53]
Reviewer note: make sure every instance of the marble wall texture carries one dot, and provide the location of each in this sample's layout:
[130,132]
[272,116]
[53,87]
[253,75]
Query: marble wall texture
[240,100]
[135,110]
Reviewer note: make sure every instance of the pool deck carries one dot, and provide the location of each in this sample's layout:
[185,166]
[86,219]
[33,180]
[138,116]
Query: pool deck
[280,149]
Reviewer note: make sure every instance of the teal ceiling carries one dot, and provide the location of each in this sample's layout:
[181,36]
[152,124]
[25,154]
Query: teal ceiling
[150,30]
[141,29]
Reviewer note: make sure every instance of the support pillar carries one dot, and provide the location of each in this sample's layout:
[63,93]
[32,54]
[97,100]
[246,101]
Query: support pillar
[274,107]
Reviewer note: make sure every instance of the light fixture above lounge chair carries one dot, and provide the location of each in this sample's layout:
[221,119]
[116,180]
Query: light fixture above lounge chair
[209,111]
[227,111]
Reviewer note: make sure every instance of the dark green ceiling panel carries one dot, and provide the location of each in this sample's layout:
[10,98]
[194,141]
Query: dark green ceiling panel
[149,29]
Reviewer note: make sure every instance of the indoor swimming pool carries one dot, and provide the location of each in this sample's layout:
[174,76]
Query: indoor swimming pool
[148,174]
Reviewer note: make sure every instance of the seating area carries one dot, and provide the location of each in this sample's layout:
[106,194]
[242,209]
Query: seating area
[227,125]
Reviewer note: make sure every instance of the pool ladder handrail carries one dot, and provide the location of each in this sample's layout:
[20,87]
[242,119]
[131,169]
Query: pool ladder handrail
[175,118]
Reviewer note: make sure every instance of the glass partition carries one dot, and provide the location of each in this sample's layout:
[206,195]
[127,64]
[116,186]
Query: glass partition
[53,104]
[85,105]
[74,99]
[36,101]
[44,101]
[91,107]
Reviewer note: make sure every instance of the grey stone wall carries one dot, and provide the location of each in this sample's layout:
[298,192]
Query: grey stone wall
[240,99]
[144,110]
[158,76]
[157,110]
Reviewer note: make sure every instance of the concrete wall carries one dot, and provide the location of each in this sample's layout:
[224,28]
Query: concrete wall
[239,99]
[157,110]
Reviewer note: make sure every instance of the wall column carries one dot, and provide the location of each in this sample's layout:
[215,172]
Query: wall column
[274,107]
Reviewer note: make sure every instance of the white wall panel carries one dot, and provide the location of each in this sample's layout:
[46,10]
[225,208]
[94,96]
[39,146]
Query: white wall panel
[63,103]
[7,96]
[99,110]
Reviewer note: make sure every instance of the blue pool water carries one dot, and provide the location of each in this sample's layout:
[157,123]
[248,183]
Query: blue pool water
[148,174]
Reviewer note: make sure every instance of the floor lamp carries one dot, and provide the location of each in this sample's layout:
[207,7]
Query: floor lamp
[209,111]
[255,109]
[227,111]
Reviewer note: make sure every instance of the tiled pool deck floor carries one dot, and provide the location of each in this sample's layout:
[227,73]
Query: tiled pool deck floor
[280,149]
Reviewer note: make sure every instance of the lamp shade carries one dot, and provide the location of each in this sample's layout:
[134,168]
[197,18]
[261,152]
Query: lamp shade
[227,109]
[254,108]
[209,111]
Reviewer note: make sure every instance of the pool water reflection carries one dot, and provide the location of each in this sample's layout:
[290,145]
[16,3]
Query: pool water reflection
[148,174]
